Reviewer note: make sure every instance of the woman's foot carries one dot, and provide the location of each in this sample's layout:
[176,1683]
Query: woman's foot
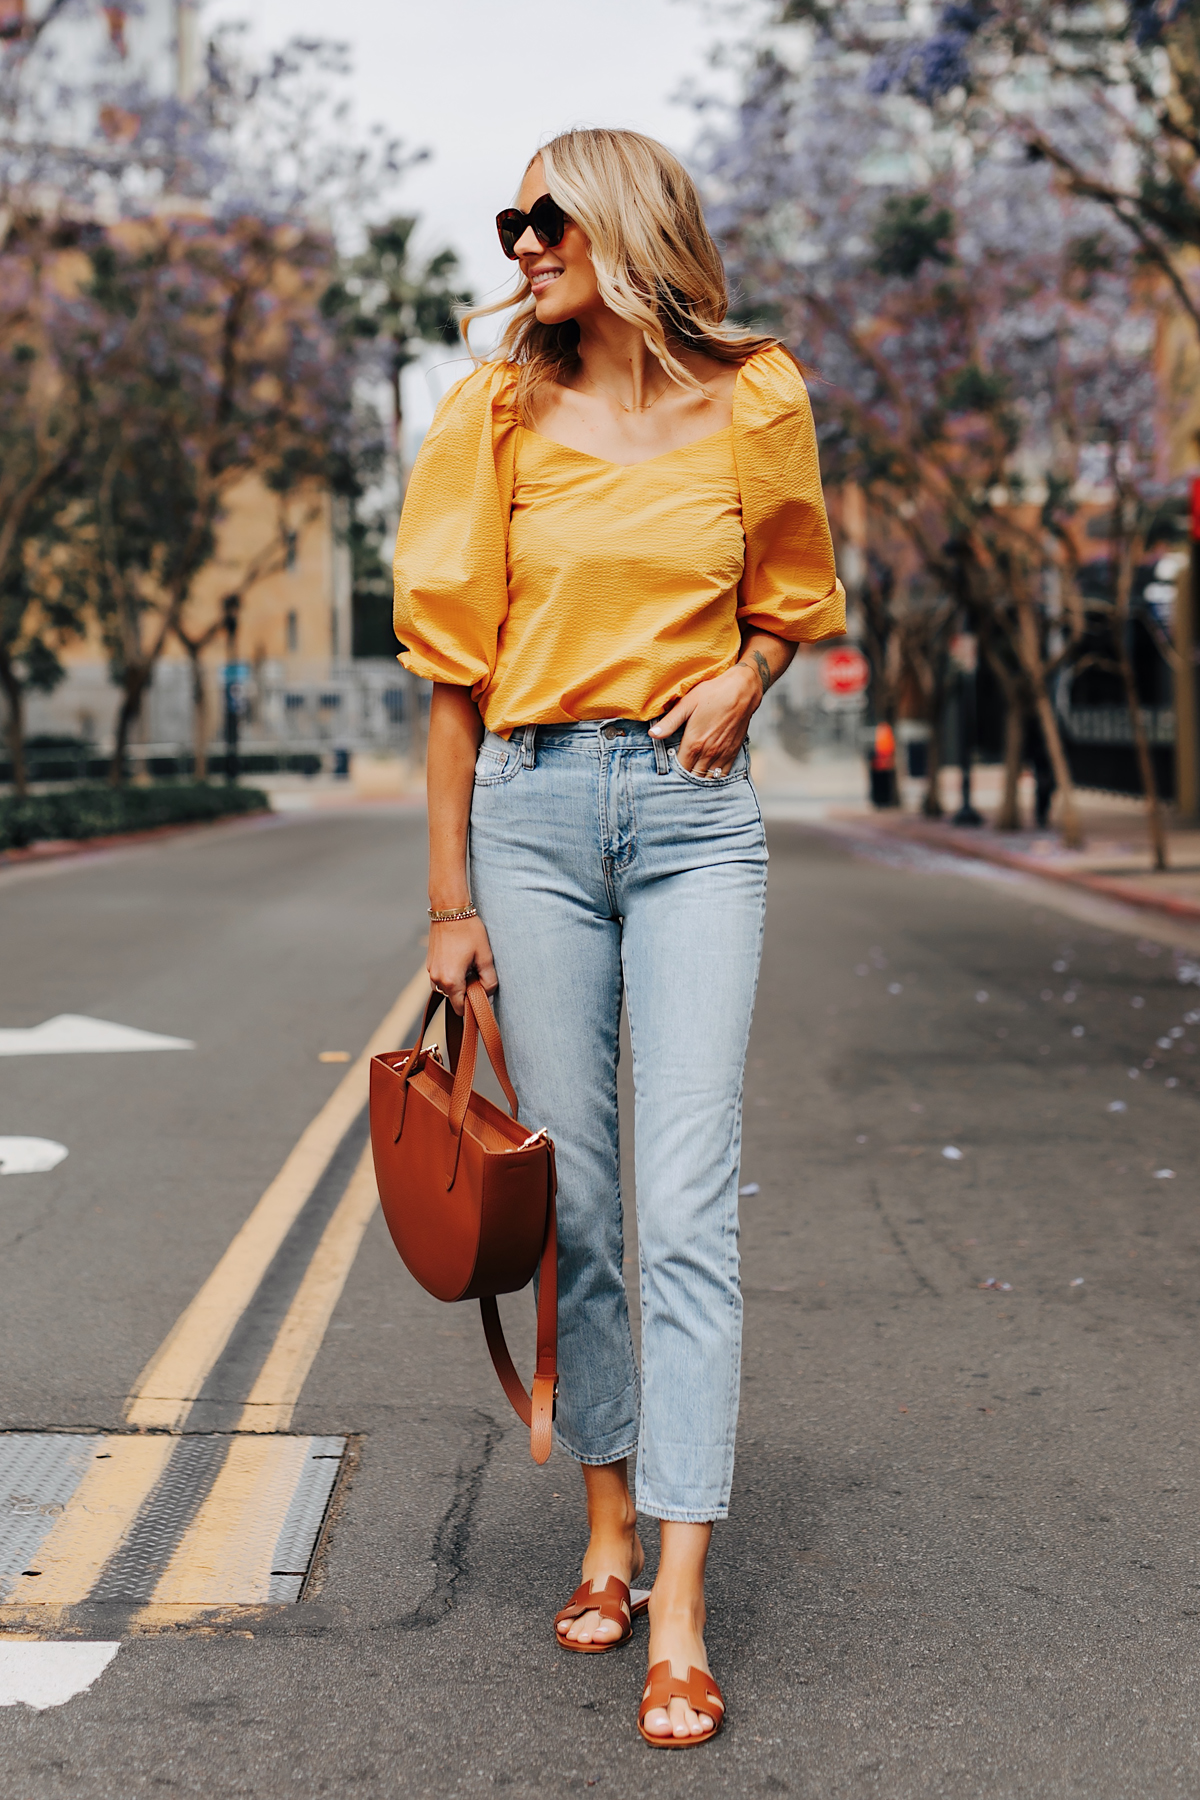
[614,1548]
[677,1619]
[625,1560]
[677,1637]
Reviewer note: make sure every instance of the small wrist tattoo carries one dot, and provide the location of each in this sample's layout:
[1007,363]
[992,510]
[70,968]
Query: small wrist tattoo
[764,668]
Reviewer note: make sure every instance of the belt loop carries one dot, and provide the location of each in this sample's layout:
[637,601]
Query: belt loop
[662,762]
[529,748]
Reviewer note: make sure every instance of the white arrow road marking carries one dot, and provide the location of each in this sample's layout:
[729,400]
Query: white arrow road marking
[42,1675]
[29,1156]
[73,1034]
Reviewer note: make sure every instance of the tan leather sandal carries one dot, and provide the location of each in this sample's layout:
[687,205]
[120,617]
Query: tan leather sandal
[614,1601]
[699,1690]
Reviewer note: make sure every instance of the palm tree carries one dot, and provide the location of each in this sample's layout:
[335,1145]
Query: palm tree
[402,303]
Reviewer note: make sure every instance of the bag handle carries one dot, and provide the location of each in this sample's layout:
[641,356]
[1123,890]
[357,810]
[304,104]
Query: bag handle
[478,1018]
[478,1022]
[535,1409]
[454,1035]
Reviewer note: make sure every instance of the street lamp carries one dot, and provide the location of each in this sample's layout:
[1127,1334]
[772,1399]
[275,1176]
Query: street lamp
[235,676]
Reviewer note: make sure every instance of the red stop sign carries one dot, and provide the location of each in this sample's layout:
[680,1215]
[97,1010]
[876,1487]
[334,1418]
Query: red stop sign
[845,671]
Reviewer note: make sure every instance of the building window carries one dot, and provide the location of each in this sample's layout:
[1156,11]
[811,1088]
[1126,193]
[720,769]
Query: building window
[290,539]
[293,631]
[293,702]
[330,702]
[393,704]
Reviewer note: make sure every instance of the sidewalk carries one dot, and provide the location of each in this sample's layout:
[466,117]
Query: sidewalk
[1115,859]
[371,778]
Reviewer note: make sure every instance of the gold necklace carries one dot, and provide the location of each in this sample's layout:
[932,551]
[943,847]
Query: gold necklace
[636,409]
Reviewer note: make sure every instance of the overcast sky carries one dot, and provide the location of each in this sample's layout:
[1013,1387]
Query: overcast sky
[481,82]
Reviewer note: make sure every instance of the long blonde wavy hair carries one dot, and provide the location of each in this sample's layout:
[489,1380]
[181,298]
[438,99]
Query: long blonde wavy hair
[656,264]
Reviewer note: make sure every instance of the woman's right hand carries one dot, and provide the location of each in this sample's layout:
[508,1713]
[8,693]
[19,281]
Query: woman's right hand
[456,950]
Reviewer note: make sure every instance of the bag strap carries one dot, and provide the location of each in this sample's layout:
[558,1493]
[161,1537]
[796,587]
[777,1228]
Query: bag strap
[536,1409]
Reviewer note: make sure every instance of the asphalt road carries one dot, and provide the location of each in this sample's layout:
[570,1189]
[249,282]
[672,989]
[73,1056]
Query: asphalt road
[962,1558]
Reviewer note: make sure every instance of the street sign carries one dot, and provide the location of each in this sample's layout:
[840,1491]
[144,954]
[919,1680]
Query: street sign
[845,671]
[964,652]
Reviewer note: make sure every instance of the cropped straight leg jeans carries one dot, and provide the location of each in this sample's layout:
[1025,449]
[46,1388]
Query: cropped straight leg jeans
[599,865]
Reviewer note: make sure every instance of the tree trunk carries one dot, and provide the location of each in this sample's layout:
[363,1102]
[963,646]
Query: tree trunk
[15,731]
[199,715]
[131,705]
[1145,762]
[397,375]
[1132,549]
[1029,649]
[1009,816]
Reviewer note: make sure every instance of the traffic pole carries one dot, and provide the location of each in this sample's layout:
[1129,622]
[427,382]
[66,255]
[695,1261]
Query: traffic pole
[231,606]
[1187,725]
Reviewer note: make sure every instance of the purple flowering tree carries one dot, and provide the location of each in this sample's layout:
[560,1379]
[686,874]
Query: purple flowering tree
[182,336]
[970,332]
[1108,96]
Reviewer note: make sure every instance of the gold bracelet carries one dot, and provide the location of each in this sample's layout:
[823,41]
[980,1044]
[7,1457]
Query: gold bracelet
[452,915]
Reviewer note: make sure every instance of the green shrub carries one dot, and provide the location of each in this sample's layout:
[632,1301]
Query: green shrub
[95,811]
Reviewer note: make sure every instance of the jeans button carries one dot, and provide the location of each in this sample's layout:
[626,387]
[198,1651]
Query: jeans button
[611,731]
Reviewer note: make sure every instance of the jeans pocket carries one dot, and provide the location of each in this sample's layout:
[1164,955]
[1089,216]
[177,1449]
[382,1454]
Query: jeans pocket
[497,762]
[710,783]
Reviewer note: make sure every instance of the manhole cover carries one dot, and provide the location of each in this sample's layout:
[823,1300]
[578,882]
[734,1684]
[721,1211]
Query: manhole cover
[199,1520]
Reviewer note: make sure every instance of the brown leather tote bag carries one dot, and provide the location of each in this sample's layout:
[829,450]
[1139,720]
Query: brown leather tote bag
[468,1193]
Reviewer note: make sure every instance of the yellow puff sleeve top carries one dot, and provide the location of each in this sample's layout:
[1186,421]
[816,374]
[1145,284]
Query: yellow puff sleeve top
[557,586]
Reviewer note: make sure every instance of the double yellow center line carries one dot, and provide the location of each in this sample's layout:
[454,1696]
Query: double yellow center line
[215,1559]
[175,1374]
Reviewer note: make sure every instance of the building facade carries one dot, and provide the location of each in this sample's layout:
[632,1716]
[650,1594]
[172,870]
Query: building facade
[298,688]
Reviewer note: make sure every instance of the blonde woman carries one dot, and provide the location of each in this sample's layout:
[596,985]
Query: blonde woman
[613,540]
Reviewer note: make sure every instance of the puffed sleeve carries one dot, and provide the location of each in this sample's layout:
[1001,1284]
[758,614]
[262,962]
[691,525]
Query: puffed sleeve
[790,586]
[451,567]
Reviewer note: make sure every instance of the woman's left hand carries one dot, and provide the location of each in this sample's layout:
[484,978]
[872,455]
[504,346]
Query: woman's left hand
[715,715]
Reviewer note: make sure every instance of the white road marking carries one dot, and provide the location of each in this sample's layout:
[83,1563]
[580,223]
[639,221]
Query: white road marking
[71,1034]
[29,1156]
[43,1675]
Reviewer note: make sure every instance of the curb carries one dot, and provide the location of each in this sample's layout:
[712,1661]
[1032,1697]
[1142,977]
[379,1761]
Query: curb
[1112,889]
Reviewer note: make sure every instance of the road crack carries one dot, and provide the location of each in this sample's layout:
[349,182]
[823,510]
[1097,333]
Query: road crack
[922,1280]
[453,1535]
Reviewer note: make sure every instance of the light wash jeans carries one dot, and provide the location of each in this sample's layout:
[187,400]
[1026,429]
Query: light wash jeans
[596,860]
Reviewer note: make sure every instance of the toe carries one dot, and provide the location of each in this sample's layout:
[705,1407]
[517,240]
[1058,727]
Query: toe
[681,1715]
[658,1723]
